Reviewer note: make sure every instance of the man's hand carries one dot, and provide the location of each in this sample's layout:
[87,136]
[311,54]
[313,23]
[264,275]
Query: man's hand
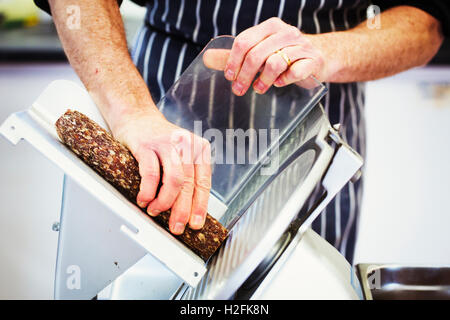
[280,51]
[98,52]
[408,37]
[184,160]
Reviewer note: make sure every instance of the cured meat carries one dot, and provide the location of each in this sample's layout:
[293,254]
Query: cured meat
[115,163]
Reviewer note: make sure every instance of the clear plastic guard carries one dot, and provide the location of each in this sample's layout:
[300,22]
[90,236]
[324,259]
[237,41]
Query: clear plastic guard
[202,101]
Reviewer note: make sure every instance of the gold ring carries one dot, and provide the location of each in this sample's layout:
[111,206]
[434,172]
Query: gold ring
[284,56]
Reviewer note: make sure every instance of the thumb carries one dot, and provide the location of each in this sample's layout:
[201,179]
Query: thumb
[299,71]
[149,169]
[216,58]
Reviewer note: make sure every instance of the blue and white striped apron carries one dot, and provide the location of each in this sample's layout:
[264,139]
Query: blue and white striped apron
[175,31]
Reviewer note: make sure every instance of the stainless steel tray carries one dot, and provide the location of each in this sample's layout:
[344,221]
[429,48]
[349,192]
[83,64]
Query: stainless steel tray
[402,282]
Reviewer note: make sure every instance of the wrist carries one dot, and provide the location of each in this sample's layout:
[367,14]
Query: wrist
[123,100]
[333,61]
[124,112]
[131,119]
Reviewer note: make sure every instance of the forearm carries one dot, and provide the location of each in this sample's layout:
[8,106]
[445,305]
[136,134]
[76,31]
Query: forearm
[98,52]
[408,37]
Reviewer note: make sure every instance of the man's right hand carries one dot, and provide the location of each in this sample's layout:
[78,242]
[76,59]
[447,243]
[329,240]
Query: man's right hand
[184,160]
[97,50]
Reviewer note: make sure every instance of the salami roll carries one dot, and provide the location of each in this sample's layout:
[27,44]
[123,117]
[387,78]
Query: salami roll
[115,163]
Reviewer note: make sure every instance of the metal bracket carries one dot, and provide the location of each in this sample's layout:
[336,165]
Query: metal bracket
[344,166]
[36,125]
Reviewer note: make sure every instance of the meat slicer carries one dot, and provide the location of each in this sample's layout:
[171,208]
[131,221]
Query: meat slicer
[270,152]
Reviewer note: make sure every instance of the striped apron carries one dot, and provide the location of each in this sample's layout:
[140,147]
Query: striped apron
[175,31]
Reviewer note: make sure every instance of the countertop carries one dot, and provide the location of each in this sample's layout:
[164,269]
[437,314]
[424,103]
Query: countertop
[41,42]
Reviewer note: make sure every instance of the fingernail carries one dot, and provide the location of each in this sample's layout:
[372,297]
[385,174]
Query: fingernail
[178,228]
[229,74]
[238,88]
[279,82]
[153,213]
[259,86]
[141,204]
[197,221]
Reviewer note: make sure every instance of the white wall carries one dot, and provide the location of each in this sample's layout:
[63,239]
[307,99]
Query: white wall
[131,10]
[406,208]
[30,191]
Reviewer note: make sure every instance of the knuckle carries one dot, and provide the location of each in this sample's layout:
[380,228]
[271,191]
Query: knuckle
[205,155]
[176,180]
[177,136]
[143,196]
[181,214]
[274,21]
[320,61]
[203,184]
[273,65]
[184,215]
[206,147]
[241,44]
[161,204]
[164,205]
[152,175]
[143,149]
[187,192]
[200,144]
[291,32]
[251,60]
[294,32]
[296,74]
[205,143]
[306,44]
[270,66]
[186,136]
[200,208]
[188,184]
[289,75]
